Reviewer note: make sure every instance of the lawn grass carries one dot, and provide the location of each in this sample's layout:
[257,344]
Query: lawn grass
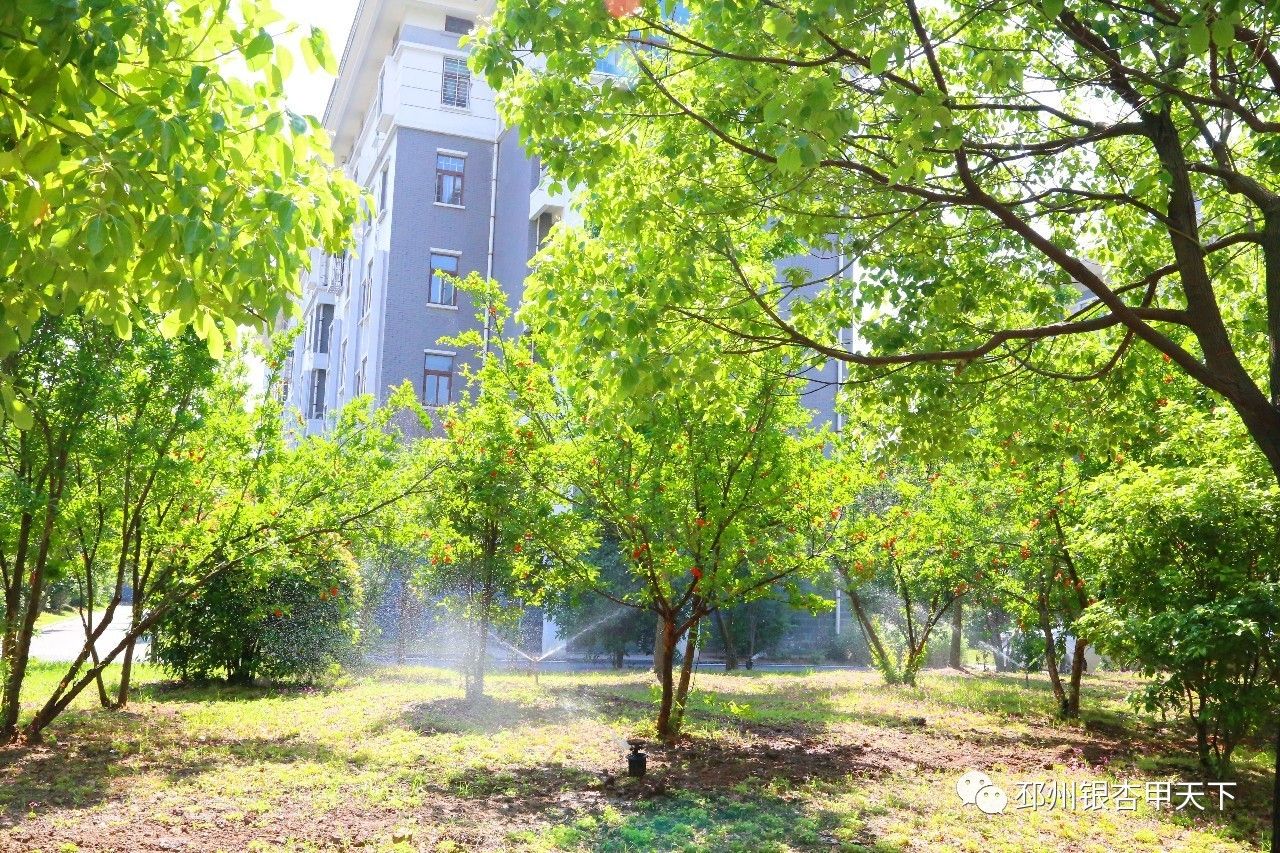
[394,760]
[47,619]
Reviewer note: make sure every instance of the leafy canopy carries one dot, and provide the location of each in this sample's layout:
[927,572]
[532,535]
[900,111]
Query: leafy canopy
[976,170]
[149,165]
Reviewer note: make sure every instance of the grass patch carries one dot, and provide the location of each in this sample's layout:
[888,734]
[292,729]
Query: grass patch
[48,618]
[395,759]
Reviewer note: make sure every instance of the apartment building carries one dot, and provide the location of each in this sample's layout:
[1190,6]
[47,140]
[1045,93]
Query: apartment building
[452,194]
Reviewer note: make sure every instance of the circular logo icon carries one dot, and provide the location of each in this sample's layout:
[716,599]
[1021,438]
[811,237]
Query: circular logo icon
[992,800]
[970,784]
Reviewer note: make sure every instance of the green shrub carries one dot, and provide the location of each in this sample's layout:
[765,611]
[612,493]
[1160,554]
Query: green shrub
[286,625]
[1189,559]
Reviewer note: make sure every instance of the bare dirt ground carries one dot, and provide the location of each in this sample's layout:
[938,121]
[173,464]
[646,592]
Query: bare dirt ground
[765,764]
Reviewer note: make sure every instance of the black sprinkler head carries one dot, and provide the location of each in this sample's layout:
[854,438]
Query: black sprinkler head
[636,760]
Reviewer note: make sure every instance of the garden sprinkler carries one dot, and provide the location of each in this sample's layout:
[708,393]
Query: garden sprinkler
[636,760]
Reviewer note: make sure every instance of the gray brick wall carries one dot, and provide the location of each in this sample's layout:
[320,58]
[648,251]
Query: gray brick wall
[511,245]
[418,226]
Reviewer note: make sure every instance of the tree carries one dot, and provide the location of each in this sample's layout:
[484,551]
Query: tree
[955,654]
[1017,470]
[61,370]
[918,536]
[142,450]
[717,493]
[979,169]
[1192,582]
[753,628]
[149,165]
[259,497]
[495,527]
[1033,568]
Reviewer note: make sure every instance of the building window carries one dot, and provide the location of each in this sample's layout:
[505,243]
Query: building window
[546,221]
[449,169]
[458,26]
[366,293]
[361,374]
[455,88]
[316,409]
[441,291]
[286,379]
[437,379]
[342,370]
[382,189]
[321,323]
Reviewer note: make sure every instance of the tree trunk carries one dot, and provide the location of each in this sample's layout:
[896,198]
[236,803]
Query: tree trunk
[475,684]
[730,653]
[659,649]
[1202,746]
[19,654]
[619,658]
[686,674]
[878,651]
[915,659]
[104,699]
[665,662]
[751,636]
[1077,671]
[12,614]
[957,628]
[86,622]
[1051,661]
[1275,795]
[126,673]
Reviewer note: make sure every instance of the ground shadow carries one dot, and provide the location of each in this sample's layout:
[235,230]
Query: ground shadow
[485,715]
[91,755]
[206,692]
[85,752]
[743,821]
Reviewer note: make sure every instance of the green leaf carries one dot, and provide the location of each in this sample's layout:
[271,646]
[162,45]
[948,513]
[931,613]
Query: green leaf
[30,205]
[1198,38]
[96,236]
[1224,31]
[790,159]
[1053,8]
[171,325]
[43,157]
[880,60]
[21,414]
[261,44]
[319,47]
[216,342]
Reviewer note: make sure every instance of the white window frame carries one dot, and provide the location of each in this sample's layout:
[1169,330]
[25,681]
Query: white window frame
[461,84]
[431,268]
[453,371]
[384,190]
[366,293]
[461,175]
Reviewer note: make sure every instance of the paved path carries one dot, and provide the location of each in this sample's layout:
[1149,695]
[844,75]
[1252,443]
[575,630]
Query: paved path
[63,640]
